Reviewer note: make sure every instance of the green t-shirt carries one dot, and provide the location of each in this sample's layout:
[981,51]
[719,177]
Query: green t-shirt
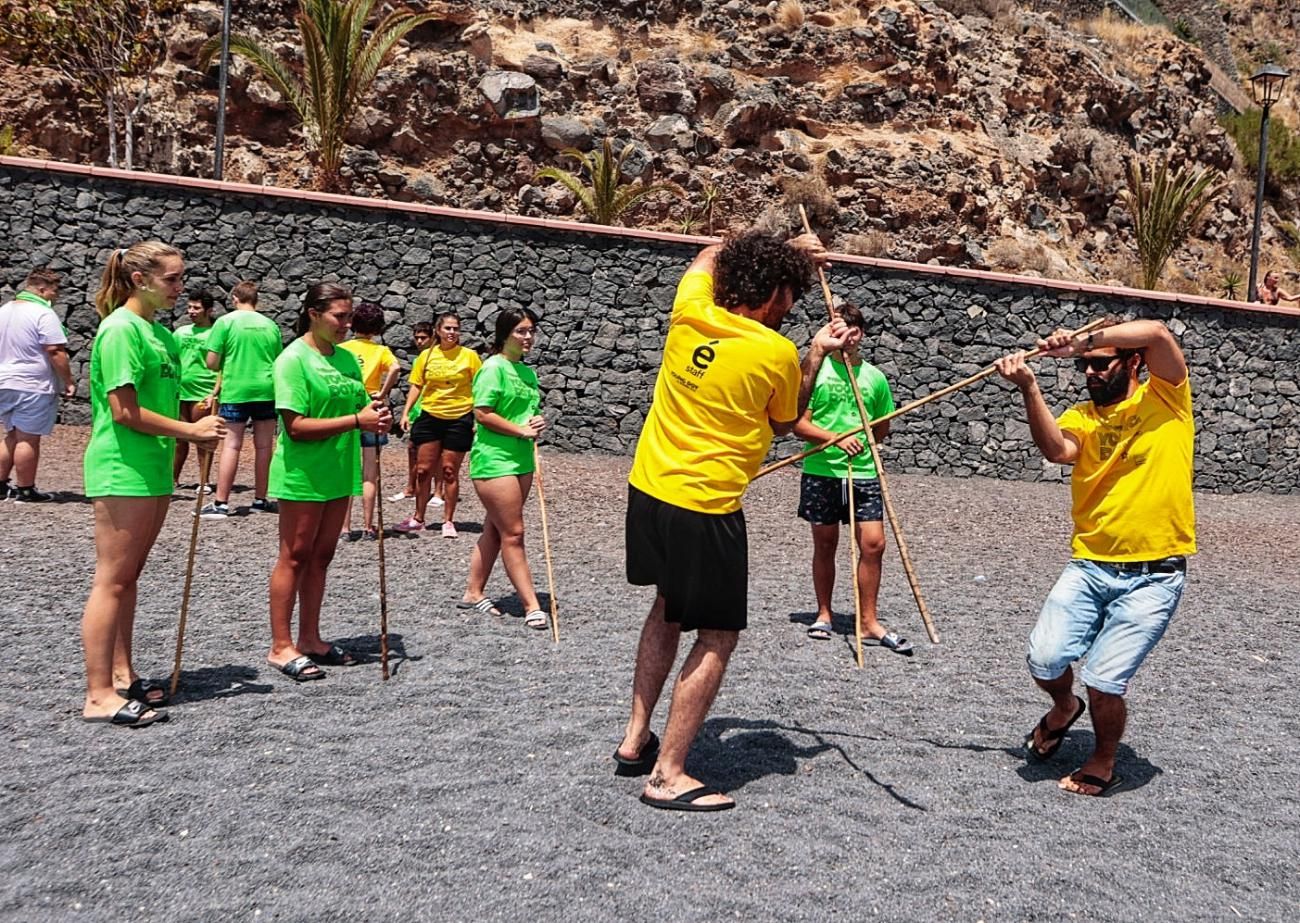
[834,409]
[119,461]
[197,380]
[247,343]
[510,389]
[320,387]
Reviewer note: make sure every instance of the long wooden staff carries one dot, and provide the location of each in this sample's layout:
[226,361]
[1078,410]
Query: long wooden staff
[546,543]
[383,574]
[853,562]
[205,470]
[919,402]
[867,424]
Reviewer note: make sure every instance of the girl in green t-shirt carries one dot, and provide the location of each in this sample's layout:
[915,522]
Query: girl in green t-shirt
[128,468]
[324,407]
[501,463]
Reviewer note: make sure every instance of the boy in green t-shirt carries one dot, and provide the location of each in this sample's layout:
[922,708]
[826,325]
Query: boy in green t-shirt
[823,490]
[198,383]
[243,346]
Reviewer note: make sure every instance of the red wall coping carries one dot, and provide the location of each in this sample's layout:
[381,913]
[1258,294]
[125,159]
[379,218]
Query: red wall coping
[498,218]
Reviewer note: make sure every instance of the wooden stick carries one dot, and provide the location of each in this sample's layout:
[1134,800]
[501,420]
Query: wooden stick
[383,576]
[867,424]
[853,562]
[205,470]
[908,408]
[546,543]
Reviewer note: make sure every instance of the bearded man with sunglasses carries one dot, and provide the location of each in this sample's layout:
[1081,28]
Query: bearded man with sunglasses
[1134,526]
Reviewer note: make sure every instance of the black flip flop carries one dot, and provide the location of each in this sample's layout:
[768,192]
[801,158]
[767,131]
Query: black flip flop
[301,669]
[642,763]
[1106,785]
[1052,738]
[336,656]
[140,689]
[686,801]
[132,715]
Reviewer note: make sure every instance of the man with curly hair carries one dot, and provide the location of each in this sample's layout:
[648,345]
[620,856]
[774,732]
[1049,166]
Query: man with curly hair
[727,383]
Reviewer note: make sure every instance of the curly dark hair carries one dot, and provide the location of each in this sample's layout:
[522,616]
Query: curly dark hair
[751,268]
[368,319]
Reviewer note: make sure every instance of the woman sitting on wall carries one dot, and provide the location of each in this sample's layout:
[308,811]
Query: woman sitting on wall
[501,464]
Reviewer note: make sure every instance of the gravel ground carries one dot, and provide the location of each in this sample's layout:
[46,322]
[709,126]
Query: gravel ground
[478,784]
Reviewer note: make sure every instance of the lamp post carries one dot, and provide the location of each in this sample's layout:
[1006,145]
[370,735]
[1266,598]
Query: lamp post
[1266,85]
[219,158]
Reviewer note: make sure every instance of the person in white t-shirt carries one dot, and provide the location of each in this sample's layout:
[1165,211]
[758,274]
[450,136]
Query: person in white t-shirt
[34,373]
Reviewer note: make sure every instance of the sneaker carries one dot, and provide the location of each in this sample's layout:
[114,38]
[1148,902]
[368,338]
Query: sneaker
[29,495]
[263,505]
[6,492]
[449,530]
[436,501]
[409,524]
[400,495]
[215,510]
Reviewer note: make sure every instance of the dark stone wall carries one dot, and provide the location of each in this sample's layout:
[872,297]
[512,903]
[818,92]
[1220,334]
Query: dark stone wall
[605,300]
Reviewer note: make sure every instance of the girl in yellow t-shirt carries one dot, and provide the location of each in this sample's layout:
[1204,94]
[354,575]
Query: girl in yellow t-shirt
[379,371]
[441,380]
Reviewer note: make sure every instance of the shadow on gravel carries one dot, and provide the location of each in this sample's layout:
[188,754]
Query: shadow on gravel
[366,649]
[218,683]
[1136,770]
[759,750]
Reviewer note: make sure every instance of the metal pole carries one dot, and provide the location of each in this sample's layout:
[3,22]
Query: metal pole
[1252,293]
[219,159]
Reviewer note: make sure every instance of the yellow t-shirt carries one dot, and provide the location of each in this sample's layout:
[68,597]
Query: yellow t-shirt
[375,360]
[446,379]
[722,377]
[1132,484]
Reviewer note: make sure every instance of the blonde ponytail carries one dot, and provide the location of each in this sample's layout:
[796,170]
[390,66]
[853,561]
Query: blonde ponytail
[115,286]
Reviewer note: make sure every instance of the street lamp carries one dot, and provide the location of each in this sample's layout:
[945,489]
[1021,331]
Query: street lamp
[1266,84]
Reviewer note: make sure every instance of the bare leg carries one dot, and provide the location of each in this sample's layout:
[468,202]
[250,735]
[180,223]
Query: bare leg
[1064,705]
[503,500]
[311,587]
[369,488]
[696,688]
[263,449]
[182,446]
[125,529]
[410,469]
[655,654]
[229,464]
[826,540]
[123,672]
[451,462]
[482,559]
[871,548]
[7,455]
[425,466]
[26,455]
[299,525]
[1109,715]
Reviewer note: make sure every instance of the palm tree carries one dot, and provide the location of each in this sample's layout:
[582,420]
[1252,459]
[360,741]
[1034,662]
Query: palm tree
[1165,210]
[606,199]
[339,65]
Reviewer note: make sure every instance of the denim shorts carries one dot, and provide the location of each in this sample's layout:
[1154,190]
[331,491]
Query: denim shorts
[1110,614]
[373,440]
[30,412]
[246,410]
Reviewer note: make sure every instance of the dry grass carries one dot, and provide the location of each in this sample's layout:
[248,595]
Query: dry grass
[790,15]
[846,14]
[872,243]
[1013,256]
[701,45]
[1118,31]
[810,191]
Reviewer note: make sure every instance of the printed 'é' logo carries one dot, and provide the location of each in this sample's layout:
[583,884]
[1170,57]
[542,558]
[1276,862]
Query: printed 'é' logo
[703,355]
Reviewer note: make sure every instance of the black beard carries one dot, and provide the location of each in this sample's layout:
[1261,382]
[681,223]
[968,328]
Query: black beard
[1109,391]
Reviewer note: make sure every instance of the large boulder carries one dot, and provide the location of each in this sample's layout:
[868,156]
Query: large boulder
[671,131]
[511,95]
[661,87]
[560,133]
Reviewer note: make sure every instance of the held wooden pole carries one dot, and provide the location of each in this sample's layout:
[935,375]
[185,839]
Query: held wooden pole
[546,544]
[205,471]
[867,424]
[853,562]
[919,402]
[383,575]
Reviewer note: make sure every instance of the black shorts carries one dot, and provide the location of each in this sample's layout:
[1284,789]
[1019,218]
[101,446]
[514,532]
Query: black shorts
[257,411]
[824,501]
[456,434]
[699,561]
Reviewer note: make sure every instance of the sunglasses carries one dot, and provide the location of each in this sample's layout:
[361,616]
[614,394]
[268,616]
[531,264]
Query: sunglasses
[1094,363]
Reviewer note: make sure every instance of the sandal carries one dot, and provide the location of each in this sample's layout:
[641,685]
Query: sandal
[537,619]
[483,607]
[139,691]
[1052,739]
[336,657]
[820,631]
[134,714]
[300,669]
[896,643]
